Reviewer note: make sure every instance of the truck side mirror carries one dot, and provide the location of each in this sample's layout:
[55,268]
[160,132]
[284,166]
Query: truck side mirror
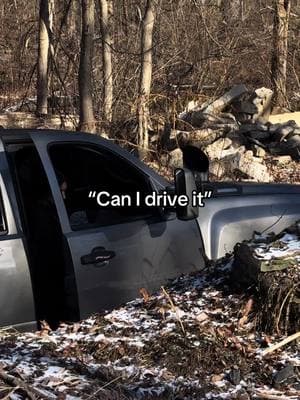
[185,185]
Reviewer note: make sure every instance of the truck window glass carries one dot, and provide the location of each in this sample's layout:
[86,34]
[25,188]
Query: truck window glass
[82,168]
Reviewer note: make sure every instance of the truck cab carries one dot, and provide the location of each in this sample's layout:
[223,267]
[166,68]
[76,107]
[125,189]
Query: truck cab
[62,256]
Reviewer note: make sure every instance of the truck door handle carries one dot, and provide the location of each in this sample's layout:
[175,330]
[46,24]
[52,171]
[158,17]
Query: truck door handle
[99,255]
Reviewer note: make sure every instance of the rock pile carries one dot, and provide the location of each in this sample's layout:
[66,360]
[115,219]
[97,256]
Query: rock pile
[235,132]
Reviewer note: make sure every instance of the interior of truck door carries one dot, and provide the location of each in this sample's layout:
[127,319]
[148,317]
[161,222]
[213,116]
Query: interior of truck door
[16,294]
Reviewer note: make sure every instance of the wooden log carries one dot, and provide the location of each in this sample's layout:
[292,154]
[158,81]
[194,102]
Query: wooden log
[258,134]
[255,131]
[281,118]
[222,102]
[199,138]
[284,131]
[286,147]
[28,120]
[244,107]
[253,126]
[272,396]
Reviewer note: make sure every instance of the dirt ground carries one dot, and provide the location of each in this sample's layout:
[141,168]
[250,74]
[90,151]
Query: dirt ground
[198,338]
[283,173]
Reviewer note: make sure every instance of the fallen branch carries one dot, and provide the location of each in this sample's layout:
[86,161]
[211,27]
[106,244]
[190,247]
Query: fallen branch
[174,308]
[32,393]
[10,391]
[282,343]
[218,105]
[271,396]
[103,387]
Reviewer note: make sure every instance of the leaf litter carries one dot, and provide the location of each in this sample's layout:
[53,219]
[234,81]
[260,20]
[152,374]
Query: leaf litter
[196,338]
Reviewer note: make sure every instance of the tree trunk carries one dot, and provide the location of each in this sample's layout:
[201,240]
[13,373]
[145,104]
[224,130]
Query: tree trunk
[280,50]
[106,9]
[74,17]
[232,11]
[86,113]
[43,53]
[145,78]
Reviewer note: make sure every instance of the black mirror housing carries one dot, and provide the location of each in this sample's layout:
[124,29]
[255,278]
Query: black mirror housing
[197,161]
[185,185]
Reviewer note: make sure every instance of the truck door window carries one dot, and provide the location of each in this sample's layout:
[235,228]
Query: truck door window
[81,169]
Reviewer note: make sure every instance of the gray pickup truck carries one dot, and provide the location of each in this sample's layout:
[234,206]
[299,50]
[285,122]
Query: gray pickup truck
[63,257]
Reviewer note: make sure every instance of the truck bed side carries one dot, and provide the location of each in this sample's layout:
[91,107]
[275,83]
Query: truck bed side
[235,211]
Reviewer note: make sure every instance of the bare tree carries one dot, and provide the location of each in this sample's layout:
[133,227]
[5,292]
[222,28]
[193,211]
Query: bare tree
[282,10]
[232,10]
[74,16]
[106,9]
[86,112]
[145,78]
[45,25]
[198,51]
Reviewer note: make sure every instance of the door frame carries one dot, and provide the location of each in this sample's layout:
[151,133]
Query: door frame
[15,232]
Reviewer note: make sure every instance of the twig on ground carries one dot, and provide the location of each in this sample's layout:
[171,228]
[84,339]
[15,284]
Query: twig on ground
[282,343]
[103,387]
[8,389]
[174,308]
[272,396]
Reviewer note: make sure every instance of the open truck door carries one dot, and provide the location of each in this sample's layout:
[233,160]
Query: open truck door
[114,252]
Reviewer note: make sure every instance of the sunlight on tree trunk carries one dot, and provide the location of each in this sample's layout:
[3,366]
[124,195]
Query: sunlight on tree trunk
[74,17]
[86,114]
[106,8]
[232,11]
[145,79]
[43,53]
[282,10]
